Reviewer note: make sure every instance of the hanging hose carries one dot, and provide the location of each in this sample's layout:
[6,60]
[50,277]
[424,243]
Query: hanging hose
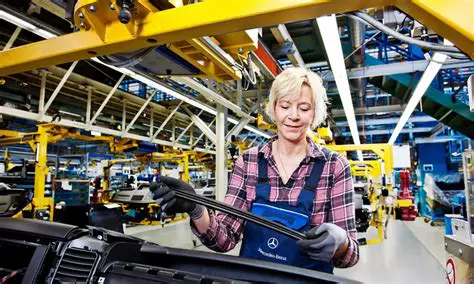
[134,59]
[247,71]
[451,51]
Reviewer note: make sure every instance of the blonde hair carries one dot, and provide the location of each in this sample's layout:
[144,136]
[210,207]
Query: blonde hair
[289,82]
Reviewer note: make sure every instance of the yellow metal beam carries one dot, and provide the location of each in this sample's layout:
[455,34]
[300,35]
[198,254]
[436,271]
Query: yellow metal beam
[384,151]
[450,19]
[11,134]
[207,61]
[101,33]
[210,17]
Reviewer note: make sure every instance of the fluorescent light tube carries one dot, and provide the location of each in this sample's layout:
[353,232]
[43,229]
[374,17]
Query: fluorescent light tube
[25,25]
[425,81]
[332,44]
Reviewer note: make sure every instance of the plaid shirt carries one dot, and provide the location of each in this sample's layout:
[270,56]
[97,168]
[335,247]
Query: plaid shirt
[334,199]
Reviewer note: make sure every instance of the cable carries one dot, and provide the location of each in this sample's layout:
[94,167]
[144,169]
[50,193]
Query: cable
[248,75]
[376,24]
[452,50]
[456,55]
[240,214]
[135,58]
[4,279]
[213,204]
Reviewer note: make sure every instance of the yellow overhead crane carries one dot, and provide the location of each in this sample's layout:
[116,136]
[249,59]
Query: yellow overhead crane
[102,31]
[383,151]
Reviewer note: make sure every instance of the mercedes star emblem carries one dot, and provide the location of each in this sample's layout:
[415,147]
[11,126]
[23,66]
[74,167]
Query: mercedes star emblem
[272,243]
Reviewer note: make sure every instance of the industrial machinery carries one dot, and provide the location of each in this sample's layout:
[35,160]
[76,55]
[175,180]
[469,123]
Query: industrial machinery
[376,169]
[42,205]
[362,213]
[138,204]
[12,200]
[44,252]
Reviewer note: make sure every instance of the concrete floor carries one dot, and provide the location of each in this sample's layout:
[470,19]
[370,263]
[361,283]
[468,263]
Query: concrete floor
[412,253]
[402,257]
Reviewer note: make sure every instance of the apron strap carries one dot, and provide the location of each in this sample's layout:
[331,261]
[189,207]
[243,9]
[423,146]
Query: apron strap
[262,169]
[312,180]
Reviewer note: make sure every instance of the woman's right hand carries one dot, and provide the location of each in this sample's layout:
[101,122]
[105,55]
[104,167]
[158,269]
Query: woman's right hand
[165,195]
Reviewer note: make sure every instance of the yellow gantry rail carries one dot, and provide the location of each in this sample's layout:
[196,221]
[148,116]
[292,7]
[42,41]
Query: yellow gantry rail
[101,33]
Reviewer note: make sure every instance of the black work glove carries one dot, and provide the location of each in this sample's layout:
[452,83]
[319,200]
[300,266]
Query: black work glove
[323,241]
[165,195]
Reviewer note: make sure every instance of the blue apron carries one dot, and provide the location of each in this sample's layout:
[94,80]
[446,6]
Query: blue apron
[265,244]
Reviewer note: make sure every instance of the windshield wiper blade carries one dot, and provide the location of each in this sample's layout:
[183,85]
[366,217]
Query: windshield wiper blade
[247,216]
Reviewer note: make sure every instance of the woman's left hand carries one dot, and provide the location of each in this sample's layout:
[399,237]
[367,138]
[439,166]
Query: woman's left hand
[324,241]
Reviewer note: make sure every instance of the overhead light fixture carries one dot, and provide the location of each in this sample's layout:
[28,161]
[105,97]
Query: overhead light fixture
[25,25]
[332,44]
[45,34]
[96,133]
[433,67]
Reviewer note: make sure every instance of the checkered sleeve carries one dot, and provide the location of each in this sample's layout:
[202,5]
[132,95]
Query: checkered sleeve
[224,230]
[342,211]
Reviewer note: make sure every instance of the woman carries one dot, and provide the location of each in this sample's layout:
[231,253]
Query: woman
[290,180]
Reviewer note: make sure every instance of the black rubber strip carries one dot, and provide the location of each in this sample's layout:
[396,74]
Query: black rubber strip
[217,205]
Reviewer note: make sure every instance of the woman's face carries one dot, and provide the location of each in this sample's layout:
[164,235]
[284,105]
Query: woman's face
[294,114]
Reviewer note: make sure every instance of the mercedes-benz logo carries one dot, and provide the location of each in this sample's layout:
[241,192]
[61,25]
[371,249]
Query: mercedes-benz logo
[272,243]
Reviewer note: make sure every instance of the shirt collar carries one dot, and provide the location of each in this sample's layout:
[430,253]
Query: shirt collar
[314,150]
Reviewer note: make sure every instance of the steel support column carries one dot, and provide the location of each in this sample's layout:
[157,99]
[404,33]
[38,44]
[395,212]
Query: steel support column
[124,115]
[221,154]
[152,121]
[173,129]
[44,75]
[240,93]
[89,104]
